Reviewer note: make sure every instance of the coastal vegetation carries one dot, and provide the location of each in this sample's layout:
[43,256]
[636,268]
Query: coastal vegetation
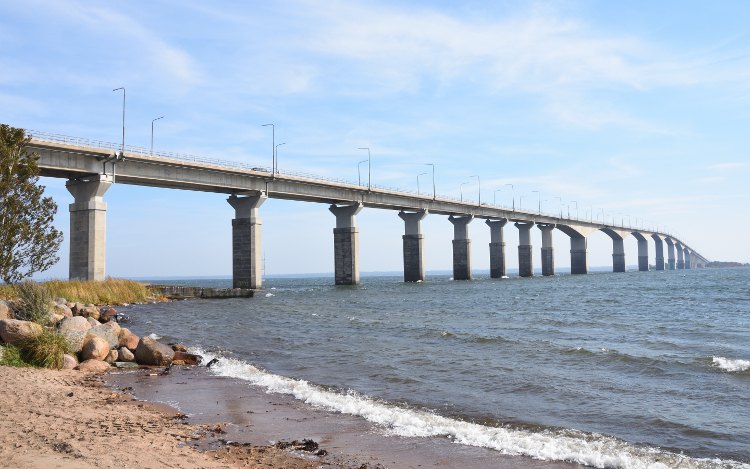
[28,241]
[110,291]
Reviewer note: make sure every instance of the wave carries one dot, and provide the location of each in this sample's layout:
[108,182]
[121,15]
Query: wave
[589,449]
[732,365]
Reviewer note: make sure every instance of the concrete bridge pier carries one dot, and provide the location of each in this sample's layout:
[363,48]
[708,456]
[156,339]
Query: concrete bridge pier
[642,251]
[680,256]
[88,227]
[618,248]
[497,248]
[548,250]
[346,244]
[670,253]
[688,259]
[659,250]
[525,256]
[461,247]
[413,245]
[247,241]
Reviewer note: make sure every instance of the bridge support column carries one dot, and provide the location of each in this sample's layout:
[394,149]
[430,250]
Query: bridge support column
[346,244]
[247,245]
[579,264]
[525,256]
[618,255]
[413,244]
[688,259]
[88,228]
[680,256]
[497,248]
[461,247]
[659,245]
[548,251]
[670,253]
[642,251]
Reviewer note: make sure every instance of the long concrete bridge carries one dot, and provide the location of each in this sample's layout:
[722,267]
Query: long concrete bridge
[91,167]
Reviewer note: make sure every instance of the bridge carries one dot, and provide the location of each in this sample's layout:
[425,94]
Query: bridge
[91,167]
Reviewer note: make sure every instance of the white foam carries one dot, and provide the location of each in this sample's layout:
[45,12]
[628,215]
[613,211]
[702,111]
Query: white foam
[561,445]
[269,295]
[733,365]
[154,336]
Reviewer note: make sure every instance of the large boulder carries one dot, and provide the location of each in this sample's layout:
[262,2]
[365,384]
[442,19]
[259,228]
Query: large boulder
[93,366]
[6,312]
[151,352]
[109,332]
[69,362]
[62,309]
[74,329]
[108,314]
[128,339]
[125,355]
[92,321]
[185,358]
[13,330]
[112,356]
[94,348]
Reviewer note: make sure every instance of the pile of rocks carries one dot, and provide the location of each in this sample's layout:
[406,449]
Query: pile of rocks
[96,338]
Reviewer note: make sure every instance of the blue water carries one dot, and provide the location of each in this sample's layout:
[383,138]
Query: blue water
[656,360]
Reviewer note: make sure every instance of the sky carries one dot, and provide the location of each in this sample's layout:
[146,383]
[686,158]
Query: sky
[633,111]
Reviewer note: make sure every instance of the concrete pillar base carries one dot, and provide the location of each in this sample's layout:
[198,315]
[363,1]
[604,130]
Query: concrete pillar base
[659,263]
[548,261]
[497,260]
[525,261]
[643,263]
[680,265]
[247,245]
[413,265]
[461,259]
[345,248]
[671,264]
[578,262]
[88,228]
[618,262]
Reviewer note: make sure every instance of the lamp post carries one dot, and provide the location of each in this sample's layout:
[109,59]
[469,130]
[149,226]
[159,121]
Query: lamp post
[461,189]
[420,174]
[122,148]
[513,192]
[539,198]
[573,202]
[273,147]
[359,176]
[152,134]
[520,203]
[560,205]
[494,196]
[433,179]
[369,168]
[276,155]
[479,191]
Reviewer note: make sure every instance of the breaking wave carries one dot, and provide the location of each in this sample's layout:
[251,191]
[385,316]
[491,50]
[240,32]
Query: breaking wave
[732,365]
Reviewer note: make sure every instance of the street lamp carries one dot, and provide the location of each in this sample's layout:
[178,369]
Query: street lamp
[420,174]
[433,179]
[359,176]
[276,154]
[461,189]
[520,203]
[369,168]
[513,192]
[539,198]
[573,202]
[273,147]
[560,205]
[122,148]
[152,134]
[479,191]
[494,196]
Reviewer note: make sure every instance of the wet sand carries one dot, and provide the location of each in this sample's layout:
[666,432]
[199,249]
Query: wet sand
[259,418]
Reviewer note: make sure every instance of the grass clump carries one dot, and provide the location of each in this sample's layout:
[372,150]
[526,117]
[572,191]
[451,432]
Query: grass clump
[36,299]
[110,291]
[45,350]
[10,355]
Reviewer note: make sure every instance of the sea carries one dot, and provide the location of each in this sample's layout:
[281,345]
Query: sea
[608,370]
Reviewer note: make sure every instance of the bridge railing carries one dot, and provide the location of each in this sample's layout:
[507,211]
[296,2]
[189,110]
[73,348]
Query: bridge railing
[146,152]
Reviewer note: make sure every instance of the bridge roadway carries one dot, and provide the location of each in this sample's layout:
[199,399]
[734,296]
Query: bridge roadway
[91,167]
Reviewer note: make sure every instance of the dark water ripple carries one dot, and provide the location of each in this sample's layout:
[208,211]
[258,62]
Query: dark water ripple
[628,355]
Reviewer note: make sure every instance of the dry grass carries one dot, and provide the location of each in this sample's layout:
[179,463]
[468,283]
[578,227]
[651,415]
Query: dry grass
[110,291]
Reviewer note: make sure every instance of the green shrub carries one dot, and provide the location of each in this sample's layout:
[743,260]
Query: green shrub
[36,300]
[12,356]
[45,350]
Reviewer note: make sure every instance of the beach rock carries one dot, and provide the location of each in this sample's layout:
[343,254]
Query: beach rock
[93,366]
[112,357]
[179,347]
[184,358]
[92,322]
[14,330]
[108,314]
[94,348]
[109,331]
[77,308]
[54,319]
[151,352]
[125,355]
[69,362]
[74,329]
[91,311]
[128,339]
[62,309]
[61,301]
[6,312]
